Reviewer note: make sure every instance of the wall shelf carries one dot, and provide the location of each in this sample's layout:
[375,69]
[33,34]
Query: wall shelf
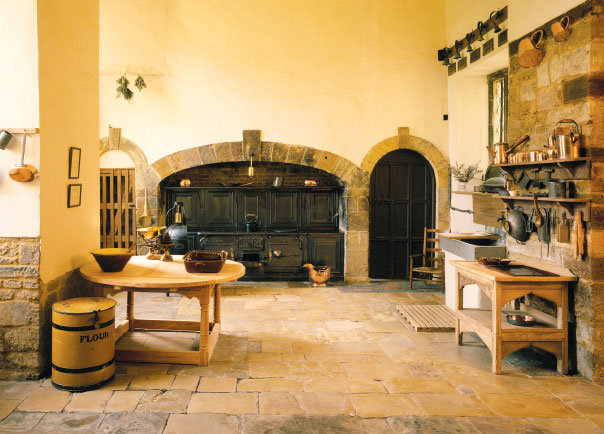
[22,130]
[569,168]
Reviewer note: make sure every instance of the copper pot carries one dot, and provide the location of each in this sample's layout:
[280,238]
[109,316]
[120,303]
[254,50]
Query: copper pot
[500,154]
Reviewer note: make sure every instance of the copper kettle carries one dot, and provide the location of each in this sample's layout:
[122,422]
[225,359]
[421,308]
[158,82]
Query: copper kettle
[500,154]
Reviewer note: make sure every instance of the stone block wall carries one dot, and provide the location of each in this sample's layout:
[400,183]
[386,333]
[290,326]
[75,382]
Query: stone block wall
[567,84]
[19,308]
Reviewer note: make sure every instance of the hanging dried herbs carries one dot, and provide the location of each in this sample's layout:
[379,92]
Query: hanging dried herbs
[123,90]
[140,83]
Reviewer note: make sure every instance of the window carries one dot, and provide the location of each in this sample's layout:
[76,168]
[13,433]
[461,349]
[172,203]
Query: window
[498,106]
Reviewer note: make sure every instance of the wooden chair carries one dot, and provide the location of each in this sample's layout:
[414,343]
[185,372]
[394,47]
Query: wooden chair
[431,263]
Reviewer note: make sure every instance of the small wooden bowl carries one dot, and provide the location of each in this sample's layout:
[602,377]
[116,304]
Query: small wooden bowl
[112,260]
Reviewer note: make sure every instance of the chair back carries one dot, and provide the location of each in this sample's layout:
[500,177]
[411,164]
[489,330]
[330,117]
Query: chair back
[432,250]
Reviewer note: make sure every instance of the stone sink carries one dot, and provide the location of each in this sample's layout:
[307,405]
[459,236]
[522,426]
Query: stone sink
[472,246]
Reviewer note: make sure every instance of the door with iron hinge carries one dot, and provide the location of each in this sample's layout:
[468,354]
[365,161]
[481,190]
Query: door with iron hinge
[118,208]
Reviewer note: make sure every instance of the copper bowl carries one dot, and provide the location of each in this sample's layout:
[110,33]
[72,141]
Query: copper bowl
[112,260]
[521,320]
[201,261]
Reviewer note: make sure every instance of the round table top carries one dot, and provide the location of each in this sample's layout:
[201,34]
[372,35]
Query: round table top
[143,273]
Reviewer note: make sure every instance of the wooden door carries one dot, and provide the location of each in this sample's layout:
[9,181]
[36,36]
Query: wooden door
[252,201]
[284,209]
[220,209]
[401,204]
[327,250]
[191,204]
[321,209]
[118,208]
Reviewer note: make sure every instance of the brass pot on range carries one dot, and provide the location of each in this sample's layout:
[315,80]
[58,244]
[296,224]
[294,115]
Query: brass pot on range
[502,149]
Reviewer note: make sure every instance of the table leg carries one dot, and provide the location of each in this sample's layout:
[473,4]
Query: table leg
[204,326]
[217,304]
[458,307]
[496,333]
[562,323]
[130,310]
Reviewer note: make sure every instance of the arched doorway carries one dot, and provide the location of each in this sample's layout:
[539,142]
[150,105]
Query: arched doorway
[401,204]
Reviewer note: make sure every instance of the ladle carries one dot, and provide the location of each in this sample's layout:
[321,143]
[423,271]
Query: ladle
[537,218]
[23,172]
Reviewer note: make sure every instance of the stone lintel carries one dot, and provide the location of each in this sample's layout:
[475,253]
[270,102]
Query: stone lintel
[115,136]
[251,143]
[403,137]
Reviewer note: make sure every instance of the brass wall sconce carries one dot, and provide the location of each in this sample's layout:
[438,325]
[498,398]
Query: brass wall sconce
[250,170]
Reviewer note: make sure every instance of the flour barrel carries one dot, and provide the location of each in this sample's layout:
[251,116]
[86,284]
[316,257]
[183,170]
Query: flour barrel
[83,343]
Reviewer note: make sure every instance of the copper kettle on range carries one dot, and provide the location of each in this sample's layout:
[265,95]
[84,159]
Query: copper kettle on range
[500,154]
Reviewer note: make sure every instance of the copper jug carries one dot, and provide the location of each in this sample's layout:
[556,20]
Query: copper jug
[569,142]
[560,29]
[500,154]
[529,50]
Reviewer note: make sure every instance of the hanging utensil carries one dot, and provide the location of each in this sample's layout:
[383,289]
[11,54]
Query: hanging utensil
[580,234]
[537,218]
[563,231]
[23,172]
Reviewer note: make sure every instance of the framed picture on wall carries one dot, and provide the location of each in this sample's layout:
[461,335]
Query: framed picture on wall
[74,162]
[74,195]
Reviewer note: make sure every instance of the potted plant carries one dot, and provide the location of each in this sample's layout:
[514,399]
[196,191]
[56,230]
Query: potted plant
[463,174]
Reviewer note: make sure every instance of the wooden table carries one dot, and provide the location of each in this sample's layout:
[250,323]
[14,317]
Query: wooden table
[142,275]
[550,333]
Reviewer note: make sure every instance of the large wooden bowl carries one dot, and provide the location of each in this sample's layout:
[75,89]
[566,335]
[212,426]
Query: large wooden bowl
[112,260]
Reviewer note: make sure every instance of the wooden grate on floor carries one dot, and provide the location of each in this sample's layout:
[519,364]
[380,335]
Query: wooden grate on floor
[428,317]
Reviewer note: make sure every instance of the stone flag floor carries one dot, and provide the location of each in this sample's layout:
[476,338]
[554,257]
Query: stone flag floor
[296,359]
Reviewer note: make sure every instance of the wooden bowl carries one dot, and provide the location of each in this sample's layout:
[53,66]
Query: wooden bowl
[201,261]
[112,260]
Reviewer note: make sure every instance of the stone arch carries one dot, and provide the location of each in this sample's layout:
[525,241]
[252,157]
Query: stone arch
[435,157]
[356,181]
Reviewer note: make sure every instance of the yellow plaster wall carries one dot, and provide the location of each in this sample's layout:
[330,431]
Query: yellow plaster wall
[339,75]
[19,202]
[68,41]
[463,15]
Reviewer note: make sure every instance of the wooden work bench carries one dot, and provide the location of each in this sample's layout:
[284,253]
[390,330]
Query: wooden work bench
[549,333]
[142,275]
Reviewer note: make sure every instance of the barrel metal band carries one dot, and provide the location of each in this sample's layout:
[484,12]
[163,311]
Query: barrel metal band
[82,328]
[82,370]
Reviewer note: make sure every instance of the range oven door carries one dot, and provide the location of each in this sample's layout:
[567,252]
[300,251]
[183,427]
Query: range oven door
[285,253]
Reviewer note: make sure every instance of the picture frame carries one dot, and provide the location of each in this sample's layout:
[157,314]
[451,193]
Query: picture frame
[74,195]
[75,155]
